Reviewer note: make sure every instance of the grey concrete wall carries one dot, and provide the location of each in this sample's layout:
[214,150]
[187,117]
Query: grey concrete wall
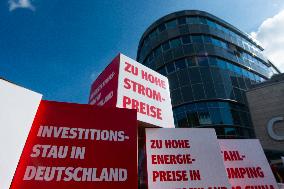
[266,102]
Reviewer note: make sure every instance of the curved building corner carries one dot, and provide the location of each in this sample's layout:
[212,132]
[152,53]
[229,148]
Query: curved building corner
[210,64]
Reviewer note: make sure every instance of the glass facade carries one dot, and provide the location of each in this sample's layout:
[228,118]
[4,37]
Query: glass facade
[210,64]
[224,114]
[243,58]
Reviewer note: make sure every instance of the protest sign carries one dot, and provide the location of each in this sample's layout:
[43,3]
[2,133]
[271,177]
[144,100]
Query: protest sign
[18,107]
[184,158]
[126,83]
[246,164]
[76,146]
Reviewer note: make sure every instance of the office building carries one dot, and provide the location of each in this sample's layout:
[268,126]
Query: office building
[210,64]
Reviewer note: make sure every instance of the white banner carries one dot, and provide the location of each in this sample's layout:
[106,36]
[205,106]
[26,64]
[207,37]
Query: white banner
[18,107]
[246,164]
[184,158]
[147,91]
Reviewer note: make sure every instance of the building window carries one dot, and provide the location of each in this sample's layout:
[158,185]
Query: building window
[181,120]
[192,20]
[191,62]
[181,20]
[207,39]
[196,39]
[180,64]
[153,34]
[216,116]
[202,20]
[198,91]
[162,28]
[171,24]
[163,71]
[175,43]
[158,51]
[202,61]
[194,75]
[186,39]
[166,46]
[170,68]
[186,92]
[211,24]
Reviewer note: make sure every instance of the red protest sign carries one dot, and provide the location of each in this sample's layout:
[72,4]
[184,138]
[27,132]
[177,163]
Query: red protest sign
[105,87]
[79,146]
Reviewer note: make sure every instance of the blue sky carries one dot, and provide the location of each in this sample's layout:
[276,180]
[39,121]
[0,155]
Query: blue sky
[58,47]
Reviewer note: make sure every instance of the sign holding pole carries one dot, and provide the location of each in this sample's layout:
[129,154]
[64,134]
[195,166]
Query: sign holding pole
[184,158]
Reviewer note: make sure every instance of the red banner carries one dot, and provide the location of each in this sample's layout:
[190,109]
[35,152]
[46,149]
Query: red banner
[104,89]
[78,146]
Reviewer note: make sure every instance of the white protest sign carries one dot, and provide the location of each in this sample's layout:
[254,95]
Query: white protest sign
[145,90]
[184,158]
[126,83]
[18,107]
[246,164]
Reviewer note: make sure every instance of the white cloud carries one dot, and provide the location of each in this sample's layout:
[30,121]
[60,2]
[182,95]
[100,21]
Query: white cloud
[271,36]
[15,4]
